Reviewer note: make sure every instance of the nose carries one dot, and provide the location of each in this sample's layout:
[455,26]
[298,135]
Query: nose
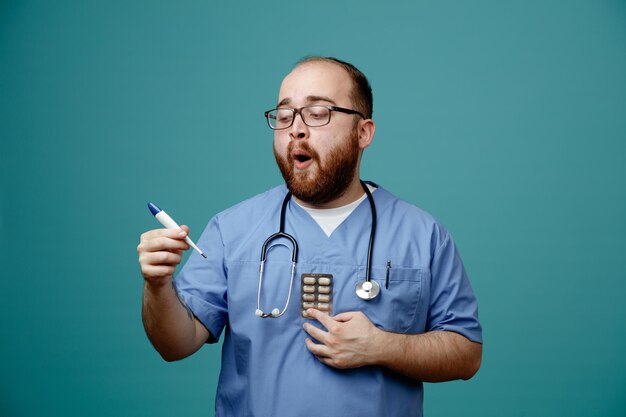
[298,130]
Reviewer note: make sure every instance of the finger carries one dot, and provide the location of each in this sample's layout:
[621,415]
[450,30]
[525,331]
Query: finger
[171,233]
[345,316]
[323,318]
[160,258]
[319,350]
[162,244]
[334,362]
[185,228]
[316,333]
[327,361]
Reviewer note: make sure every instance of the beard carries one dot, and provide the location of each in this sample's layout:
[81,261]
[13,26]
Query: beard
[332,177]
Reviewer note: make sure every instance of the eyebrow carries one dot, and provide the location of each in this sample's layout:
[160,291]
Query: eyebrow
[309,99]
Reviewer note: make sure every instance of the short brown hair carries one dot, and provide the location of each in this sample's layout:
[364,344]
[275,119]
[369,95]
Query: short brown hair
[361,95]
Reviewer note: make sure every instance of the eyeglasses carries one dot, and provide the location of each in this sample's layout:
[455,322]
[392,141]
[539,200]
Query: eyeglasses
[312,116]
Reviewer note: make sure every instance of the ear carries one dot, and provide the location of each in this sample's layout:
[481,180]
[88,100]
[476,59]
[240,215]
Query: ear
[367,128]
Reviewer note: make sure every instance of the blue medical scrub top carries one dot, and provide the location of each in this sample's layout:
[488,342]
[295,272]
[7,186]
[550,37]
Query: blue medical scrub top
[266,368]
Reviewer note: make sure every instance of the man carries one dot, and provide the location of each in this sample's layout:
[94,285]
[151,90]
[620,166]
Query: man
[347,356]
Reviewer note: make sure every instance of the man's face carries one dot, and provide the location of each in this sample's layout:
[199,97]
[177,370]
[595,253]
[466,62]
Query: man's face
[317,163]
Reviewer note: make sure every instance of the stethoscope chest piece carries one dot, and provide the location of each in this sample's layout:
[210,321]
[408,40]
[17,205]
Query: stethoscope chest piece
[367,290]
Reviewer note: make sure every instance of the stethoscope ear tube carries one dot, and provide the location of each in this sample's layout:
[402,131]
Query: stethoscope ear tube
[294,250]
[372,233]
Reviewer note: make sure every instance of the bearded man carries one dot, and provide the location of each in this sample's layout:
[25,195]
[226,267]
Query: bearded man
[354,303]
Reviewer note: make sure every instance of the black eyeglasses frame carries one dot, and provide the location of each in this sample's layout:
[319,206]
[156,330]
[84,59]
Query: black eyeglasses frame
[298,111]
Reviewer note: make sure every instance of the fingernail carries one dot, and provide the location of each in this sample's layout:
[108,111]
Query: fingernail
[182,233]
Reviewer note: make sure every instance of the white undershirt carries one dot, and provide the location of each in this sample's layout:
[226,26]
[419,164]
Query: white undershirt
[330,219]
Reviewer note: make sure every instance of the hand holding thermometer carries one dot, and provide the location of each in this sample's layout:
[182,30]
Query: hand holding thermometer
[168,222]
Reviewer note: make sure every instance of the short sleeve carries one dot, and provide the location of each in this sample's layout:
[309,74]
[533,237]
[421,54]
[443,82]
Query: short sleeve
[453,306]
[202,283]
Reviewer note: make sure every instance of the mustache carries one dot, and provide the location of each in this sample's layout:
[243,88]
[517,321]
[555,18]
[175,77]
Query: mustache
[302,146]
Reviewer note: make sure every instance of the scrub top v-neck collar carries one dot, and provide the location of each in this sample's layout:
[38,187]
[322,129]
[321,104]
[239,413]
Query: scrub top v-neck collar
[330,219]
[306,223]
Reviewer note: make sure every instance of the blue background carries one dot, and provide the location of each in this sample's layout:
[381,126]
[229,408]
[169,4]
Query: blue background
[504,119]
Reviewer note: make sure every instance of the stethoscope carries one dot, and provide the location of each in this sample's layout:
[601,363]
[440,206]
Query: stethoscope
[366,290]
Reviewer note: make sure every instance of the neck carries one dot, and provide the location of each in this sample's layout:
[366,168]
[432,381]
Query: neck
[353,192]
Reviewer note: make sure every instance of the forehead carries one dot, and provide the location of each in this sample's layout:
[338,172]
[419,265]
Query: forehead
[316,79]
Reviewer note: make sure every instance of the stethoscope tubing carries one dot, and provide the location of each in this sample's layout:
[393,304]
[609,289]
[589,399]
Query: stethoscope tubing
[372,232]
[294,253]
[294,260]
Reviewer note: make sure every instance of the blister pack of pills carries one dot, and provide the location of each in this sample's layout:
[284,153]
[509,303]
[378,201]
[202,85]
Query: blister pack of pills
[316,292]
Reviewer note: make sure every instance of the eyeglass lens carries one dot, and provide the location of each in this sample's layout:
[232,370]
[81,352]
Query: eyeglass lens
[312,116]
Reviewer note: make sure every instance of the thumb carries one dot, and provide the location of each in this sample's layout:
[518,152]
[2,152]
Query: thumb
[185,228]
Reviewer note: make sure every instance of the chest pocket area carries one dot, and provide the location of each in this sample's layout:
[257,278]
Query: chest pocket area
[399,307]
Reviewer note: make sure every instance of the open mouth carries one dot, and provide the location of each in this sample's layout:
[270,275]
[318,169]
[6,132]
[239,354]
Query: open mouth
[301,158]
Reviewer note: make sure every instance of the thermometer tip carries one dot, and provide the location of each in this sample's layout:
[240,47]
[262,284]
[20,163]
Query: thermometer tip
[153,209]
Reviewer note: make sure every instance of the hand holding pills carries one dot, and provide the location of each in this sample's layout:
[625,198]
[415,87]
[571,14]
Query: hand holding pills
[351,340]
